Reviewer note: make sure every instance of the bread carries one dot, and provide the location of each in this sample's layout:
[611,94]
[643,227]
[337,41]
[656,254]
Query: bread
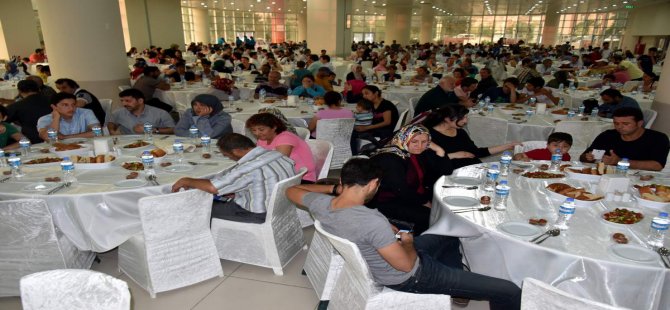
[100,159]
[557,187]
[601,168]
[158,152]
[652,197]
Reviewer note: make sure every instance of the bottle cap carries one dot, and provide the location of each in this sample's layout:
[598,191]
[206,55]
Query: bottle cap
[663,214]
[494,166]
[503,182]
[570,199]
[66,158]
[624,158]
[146,153]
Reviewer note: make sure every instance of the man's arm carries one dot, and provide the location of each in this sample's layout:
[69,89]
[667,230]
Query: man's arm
[297,192]
[113,128]
[400,255]
[189,183]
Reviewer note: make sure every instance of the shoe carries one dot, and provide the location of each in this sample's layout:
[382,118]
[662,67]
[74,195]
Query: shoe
[461,302]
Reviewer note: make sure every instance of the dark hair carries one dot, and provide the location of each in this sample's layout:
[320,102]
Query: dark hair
[373,89]
[300,64]
[485,69]
[561,75]
[332,98]
[467,81]
[266,119]
[234,141]
[150,69]
[56,98]
[611,93]
[609,76]
[314,57]
[459,70]
[452,112]
[68,82]
[560,137]
[28,86]
[365,104]
[537,82]
[3,112]
[132,92]
[309,76]
[512,80]
[617,57]
[629,111]
[205,62]
[392,67]
[360,171]
[326,58]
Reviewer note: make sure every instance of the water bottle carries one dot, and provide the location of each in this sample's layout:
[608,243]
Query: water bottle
[193,132]
[206,143]
[565,212]
[52,134]
[97,131]
[148,132]
[581,110]
[594,113]
[571,114]
[622,166]
[572,86]
[490,108]
[556,160]
[658,229]
[487,100]
[500,199]
[481,104]
[640,88]
[178,149]
[261,94]
[532,101]
[231,99]
[491,177]
[68,170]
[15,163]
[529,114]
[289,92]
[3,161]
[561,101]
[505,162]
[24,144]
[148,162]
[560,87]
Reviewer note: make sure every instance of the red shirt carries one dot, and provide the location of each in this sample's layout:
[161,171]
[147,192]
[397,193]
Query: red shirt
[544,154]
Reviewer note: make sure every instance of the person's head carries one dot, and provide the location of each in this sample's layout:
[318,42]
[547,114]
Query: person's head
[574,58]
[454,116]
[37,80]
[362,173]
[324,59]
[447,83]
[534,84]
[322,72]
[469,84]
[307,81]
[561,75]
[628,121]
[206,64]
[616,59]
[391,69]
[459,73]
[547,63]
[356,68]
[205,104]
[332,99]
[65,104]
[265,126]
[611,96]
[3,113]
[372,93]
[132,99]
[265,69]
[181,68]
[300,64]
[364,106]
[152,72]
[485,73]
[526,62]
[313,58]
[559,140]
[274,77]
[421,71]
[245,60]
[652,51]
[67,85]
[609,78]
[27,87]
[413,139]
[235,145]
[649,77]
[39,51]
[510,81]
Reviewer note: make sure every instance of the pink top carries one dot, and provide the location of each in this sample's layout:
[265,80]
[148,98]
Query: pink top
[334,113]
[301,153]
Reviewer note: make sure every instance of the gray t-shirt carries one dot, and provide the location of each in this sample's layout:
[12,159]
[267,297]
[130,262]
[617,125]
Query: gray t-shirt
[126,120]
[365,227]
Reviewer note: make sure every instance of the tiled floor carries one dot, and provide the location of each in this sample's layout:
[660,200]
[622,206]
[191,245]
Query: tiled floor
[242,287]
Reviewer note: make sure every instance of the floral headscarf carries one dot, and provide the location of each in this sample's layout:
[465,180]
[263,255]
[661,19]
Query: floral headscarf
[223,84]
[276,112]
[398,144]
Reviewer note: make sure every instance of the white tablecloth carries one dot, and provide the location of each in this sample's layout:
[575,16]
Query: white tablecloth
[8,90]
[577,261]
[97,215]
[573,99]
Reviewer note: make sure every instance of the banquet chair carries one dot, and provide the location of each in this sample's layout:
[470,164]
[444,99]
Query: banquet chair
[322,266]
[272,244]
[238,126]
[649,117]
[73,289]
[106,106]
[355,288]
[322,152]
[536,294]
[175,248]
[402,120]
[124,87]
[366,65]
[303,133]
[412,104]
[530,145]
[629,86]
[297,122]
[487,131]
[338,132]
[29,243]
[583,133]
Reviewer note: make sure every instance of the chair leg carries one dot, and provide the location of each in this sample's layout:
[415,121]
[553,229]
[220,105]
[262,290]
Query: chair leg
[278,271]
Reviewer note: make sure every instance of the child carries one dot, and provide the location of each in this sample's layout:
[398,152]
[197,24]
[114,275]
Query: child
[363,114]
[8,133]
[556,140]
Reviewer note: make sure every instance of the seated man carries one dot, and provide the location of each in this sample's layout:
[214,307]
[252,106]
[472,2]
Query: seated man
[646,149]
[181,73]
[272,87]
[428,264]
[614,100]
[486,82]
[9,135]
[85,99]
[556,141]
[28,111]
[67,119]
[131,119]
[463,91]
[441,95]
[251,181]
[422,76]
[504,94]
[148,84]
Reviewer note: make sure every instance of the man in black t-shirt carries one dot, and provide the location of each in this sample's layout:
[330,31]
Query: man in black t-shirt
[646,149]
[441,95]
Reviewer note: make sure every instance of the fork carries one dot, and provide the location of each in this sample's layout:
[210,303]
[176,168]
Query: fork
[206,164]
[60,187]
[153,179]
[5,179]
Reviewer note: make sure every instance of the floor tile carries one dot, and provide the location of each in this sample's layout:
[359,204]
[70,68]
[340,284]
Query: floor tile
[292,273]
[109,263]
[182,298]
[474,305]
[236,293]
[10,303]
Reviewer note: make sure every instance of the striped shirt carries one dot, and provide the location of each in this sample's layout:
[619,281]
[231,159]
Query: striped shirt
[254,177]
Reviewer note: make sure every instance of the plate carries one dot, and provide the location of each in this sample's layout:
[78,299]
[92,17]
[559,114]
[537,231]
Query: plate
[519,229]
[132,183]
[522,164]
[581,176]
[74,140]
[461,201]
[85,148]
[634,253]
[466,180]
[641,202]
[578,203]
[600,216]
[178,168]
[41,186]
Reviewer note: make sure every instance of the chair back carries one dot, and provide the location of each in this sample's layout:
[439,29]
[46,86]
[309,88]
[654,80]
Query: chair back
[322,152]
[338,132]
[74,289]
[402,120]
[412,104]
[238,126]
[279,203]
[106,106]
[487,131]
[303,133]
[297,122]
[366,65]
[530,145]
[536,294]
[649,117]
[630,85]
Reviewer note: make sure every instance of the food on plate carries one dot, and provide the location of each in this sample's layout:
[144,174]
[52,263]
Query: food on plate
[157,152]
[543,175]
[52,179]
[654,192]
[538,222]
[562,167]
[563,111]
[623,216]
[8,172]
[573,192]
[269,100]
[136,144]
[518,170]
[100,159]
[44,151]
[132,175]
[598,170]
[133,166]
[544,167]
[207,155]
[518,114]
[646,177]
[485,200]
[60,147]
[585,118]
[166,164]
[620,238]
[583,88]
[44,160]
[557,121]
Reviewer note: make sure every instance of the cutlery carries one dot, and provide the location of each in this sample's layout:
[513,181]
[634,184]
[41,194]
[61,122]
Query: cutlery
[59,187]
[165,137]
[540,236]
[206,164]
[471,209]
[552,233]
[153,179]
[5,179]
[460,186]
[665,256]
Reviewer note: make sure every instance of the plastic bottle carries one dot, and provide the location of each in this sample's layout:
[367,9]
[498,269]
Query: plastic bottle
[561,87]
[561,102]
[657,230]
[67,167]
[505,161]
[206,143]
[24,144]
[289,92]
[572,86]
[148,132]
[640,89]
[3,160]
[565,212]
[594,113]
[261,94]
[491,177]
[581,110]
[529,114]
[487,100]
[532,101]
[178,148]
[571,114]
[53,136]
[194,134]
[502,193]
[556,160]
[97,131]
[148,162]
[15,163]
[622,166]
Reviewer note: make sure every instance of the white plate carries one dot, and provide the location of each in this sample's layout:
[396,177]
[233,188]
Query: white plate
[522,164]
[24,162]
[578,203]
[461,201]
[178,168]
[600,216]
[85,148]
[466,180]
[634,253]
[519,229]
[641,202]
[581,176]
[74,140]
[41,186]
[131,183]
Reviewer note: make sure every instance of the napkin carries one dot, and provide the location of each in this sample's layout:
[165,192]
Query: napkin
[166,145]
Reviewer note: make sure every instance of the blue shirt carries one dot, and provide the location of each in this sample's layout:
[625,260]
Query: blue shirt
[81,119]
[626,102]
[314,91]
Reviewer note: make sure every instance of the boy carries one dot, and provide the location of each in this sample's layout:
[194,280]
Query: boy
[556,140]
[363,114]
[8,133]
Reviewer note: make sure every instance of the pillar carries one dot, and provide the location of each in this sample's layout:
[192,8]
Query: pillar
[88,47]
[398,21]
[330,16]
[18,29]
[427,20]
[201,25]
[165,22]
[302,27]
[551,23]
[661,102]
[139,35]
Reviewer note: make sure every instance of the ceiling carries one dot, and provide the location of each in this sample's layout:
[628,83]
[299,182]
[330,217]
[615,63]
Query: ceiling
[440,7]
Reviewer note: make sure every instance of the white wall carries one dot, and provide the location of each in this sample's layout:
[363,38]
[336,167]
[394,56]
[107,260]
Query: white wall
[165,22]
[19,29]
[652,20]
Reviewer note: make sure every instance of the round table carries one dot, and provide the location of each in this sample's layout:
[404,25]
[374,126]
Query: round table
[574,99]
[8,90]
[96,214]
[578,261]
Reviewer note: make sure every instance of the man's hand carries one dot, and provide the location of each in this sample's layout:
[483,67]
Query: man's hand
[184,183]
[406,238]
[461,154]
[54,113]
[611,159]
[589,157]
[138,128]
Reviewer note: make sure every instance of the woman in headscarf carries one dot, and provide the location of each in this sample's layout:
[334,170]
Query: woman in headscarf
[356,73]
[276,112]
[411,164]
[207,114]
[12,70]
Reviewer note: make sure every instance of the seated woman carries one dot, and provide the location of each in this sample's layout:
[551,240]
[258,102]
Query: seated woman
[356,73]
[649,82]
[308,89]
[334,110]
[458,74]
[353,90]
[381,66]
[411,164]
[272,135]
[206,113]
[446,129]
[422,76]
[535,88]
[385,116]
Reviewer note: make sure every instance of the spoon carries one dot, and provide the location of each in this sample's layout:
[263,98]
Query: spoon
[665,254]
[472,209]
[540,236]
[552,233]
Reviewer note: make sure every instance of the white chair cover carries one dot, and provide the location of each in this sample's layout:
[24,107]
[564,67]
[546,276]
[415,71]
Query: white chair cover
[30,243]
[303,133]
[322,266]
[412,104]
[649,117]
[338,132]
[73,289]
[402,120]
[487,131]
[297,122]
[238,126]
[537,295]
[530,145]
[583,133]
[175,248]
[366,65]
[124,87]
[630,85]
[322,152]
[106,106]
[272,244]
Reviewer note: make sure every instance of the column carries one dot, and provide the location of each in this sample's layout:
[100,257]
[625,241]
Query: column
[398,21]
[302,27]
[137,23]
[201,25]
[327,21]
[165,23]
[551,23]
[427,20]
[89,46]
[661,102]
[18,29]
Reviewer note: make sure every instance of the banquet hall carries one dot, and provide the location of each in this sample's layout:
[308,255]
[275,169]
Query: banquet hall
[127,126]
